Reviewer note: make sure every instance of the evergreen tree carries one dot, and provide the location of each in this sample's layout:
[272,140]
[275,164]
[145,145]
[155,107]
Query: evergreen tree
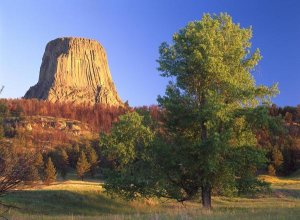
[39,163]
[73,156]
[63,163]
[32,175]
[82,165]
[49,172]
[93,160]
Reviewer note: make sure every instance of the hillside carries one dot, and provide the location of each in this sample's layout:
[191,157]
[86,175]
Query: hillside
[99,117]
[46,131]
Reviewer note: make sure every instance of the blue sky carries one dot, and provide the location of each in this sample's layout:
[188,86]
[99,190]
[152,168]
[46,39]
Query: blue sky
[131,32]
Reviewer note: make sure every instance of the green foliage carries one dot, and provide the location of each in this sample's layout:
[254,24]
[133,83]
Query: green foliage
[127,139]
[49,172]
[127,148]
[82,165]
[211,114]
[212,107]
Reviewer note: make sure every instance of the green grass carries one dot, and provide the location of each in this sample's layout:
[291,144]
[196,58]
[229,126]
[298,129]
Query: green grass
[86,200]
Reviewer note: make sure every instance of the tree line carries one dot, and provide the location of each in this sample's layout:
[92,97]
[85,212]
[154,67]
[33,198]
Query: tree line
[99,117]
[48,166]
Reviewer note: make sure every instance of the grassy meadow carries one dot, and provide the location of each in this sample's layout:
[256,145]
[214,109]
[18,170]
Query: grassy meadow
[73,199]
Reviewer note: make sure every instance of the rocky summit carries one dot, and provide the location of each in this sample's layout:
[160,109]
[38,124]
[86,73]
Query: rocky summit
[75,70]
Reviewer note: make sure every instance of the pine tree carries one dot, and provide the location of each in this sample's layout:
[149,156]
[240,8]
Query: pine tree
[82,165]
[50,172]
[39,163]
[73,156]
[32,175]
[64,162]
[93,160]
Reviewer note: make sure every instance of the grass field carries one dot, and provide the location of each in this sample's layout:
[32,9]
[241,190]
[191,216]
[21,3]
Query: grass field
[86,200]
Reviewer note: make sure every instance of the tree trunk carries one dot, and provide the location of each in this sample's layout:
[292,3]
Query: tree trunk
[206,188]
[206,197]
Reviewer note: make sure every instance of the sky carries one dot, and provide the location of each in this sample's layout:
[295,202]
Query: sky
[131,32]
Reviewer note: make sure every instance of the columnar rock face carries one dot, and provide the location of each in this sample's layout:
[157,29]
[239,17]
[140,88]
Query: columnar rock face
[75,70]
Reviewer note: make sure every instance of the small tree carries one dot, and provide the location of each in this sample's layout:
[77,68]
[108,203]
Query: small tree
[93,160]
[271,170]
[82,165]
[63,163]
[128,149]
[277,158]
[49,172]
[32,175]
[39,163]
[73,155]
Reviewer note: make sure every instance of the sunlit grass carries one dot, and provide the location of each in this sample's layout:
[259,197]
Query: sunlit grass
[278,180]
[73,199]
[72,185]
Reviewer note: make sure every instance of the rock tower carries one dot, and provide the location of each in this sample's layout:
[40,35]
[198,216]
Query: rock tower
[75,70]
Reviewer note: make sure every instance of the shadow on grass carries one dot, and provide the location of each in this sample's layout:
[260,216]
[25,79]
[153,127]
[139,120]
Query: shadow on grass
[62,202]
[291,193]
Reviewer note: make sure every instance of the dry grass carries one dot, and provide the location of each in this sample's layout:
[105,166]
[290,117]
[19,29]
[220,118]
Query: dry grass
[277,180]
[74,199]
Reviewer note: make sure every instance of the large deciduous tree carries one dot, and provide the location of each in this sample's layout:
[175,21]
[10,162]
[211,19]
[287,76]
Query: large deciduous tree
[212,109]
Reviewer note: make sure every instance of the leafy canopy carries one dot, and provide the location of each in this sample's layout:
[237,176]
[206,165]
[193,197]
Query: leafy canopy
[212,107]
[127,148]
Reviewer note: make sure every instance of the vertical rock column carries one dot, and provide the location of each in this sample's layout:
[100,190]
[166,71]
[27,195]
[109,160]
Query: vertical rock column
[75,70]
